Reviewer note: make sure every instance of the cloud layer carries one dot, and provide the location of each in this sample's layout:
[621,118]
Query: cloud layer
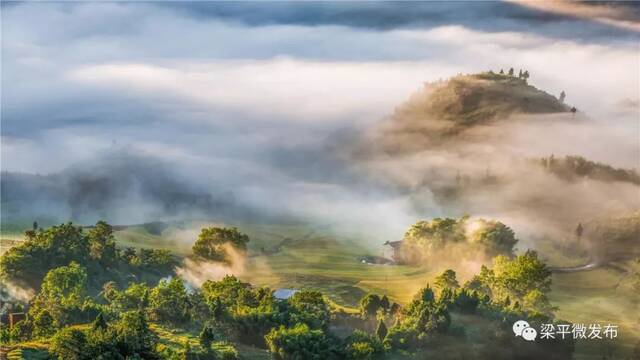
[258,99]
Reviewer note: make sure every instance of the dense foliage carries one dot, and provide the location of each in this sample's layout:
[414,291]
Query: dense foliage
[124,322]
[426,240]
[27,263]
[215,243]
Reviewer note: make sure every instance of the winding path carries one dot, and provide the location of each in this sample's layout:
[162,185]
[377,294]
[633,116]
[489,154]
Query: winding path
[586,267]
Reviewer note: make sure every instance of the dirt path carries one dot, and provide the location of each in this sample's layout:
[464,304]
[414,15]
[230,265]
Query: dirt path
[586,267]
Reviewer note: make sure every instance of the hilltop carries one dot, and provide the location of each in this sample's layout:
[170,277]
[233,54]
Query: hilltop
[447,108]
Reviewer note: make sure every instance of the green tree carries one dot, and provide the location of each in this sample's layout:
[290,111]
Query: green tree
[360,345]
[65,285]
[213,241]
[168,302]
[299,342]
[385,303]
[447,280]
[537,301]
[309,307]
[521,275]
[381,331]
[99,323]
[229,291]
[466,301]
[206,337]
[62,294]
[102,244]
[425,238]
[43,323]
[57,246]
[369,305]
[495,237]
[425,294]
[69,344]
[134,336]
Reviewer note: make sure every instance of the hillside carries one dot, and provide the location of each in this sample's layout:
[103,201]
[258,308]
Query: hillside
[447,108]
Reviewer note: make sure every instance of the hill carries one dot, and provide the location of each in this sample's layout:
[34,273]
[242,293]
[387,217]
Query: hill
[446,108]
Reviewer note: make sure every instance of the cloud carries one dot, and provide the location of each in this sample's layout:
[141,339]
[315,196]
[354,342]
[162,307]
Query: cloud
[384,16]
[616,14]
[262,103]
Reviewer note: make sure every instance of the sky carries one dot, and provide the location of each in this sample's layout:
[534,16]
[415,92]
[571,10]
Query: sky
[256,98]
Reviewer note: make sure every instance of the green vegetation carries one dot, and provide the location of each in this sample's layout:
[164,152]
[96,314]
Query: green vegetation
[426,240]
[231,318]
[212,241]
[78,322]
[27,263]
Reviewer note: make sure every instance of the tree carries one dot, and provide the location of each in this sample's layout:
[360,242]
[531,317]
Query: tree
[229,291]
[466,301]
[62,294]
[299,342]
[68,344]
[155,259]
[381,331]
[99,323]
[519,276]
[578,232]
[511,72]
[134,336]
[369,305]
[536,300]
[28,262]
[525,75]
[310,308]
[425,238]
[212,243]
[169,303]
[425,294]
[102,245]
[35,225]
[360,345]
[206,337]
[65,285]
[501,72]
[447,280]
[496,237]
[520,74]
[563,95]
[43,323]
[385,303]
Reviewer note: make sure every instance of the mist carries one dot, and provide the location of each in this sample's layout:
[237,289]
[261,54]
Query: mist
[203,115]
